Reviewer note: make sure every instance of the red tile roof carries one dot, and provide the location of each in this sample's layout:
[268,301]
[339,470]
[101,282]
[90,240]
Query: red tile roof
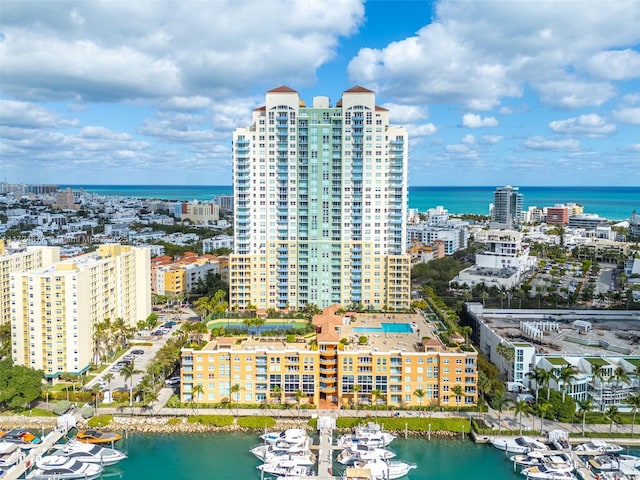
[358,89]
[282,89]
[381,109]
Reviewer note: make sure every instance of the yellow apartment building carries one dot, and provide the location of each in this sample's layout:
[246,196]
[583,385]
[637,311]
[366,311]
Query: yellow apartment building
[389,358]
[16,259]
[54,309]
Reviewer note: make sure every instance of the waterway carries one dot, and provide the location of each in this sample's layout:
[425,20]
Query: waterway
[227,457]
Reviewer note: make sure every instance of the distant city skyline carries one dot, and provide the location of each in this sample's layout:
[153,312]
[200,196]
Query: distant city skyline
[491,93]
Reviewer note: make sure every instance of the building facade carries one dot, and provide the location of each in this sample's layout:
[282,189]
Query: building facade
[54,309]
[15,259]
[387,370]
[507,207]
[320,205]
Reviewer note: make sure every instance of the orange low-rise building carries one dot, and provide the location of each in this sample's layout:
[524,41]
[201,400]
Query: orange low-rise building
[393,359]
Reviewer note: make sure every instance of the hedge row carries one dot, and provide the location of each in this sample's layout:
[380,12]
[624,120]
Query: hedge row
[457,425]
[215,420]
[256,422]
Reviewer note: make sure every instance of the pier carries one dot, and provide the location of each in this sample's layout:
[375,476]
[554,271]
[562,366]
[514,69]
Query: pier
[326,425]
[47,444]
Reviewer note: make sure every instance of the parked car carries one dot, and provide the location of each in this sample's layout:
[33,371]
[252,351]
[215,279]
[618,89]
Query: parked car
[172,381]
[137,351]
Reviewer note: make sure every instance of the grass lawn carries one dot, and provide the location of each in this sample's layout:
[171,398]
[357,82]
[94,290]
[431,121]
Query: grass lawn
[222,322]
[34,412]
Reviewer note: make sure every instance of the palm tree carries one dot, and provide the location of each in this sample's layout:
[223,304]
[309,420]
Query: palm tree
[420,394]
[356,389]
[498,402]
[597,374]
[128,371]
[108,377]
[46,389]
[376,393]
[567,375]
[235,392]
[620,376]
[197,390]
[276,390]
[457,390]
[540,376]
[96,392]
[520,408]
[543,409]
[507,352]
[633,401]
[299,396]
[584,406]
[612,414]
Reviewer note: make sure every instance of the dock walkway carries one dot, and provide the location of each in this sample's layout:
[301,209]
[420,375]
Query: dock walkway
[47,444]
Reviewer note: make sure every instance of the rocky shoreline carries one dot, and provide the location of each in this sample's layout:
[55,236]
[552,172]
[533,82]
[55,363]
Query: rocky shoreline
[178,425]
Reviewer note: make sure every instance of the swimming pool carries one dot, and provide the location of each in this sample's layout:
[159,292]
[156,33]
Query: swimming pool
[386,328]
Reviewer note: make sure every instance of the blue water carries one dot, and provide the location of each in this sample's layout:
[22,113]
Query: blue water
[227,457]
[386,328]
[614,203]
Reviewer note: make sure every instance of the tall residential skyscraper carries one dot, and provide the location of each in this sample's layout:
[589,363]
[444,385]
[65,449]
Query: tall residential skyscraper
[320,199]
[507,207]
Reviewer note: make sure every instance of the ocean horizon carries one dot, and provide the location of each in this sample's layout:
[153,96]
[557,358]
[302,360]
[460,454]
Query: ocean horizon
[615,203]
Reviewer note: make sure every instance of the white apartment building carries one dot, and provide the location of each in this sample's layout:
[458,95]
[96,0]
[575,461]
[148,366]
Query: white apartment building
[320,204]
[54,309]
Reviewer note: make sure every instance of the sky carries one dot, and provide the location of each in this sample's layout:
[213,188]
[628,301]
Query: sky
[149,91]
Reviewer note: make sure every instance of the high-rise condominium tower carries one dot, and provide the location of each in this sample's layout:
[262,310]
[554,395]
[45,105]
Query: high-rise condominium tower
[320,198]
[507,207]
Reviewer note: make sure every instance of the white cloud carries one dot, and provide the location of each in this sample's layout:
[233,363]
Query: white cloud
[628,115]
[492,139]
[195,102]
[423,130]
[615,65]
[469,139]
[590,124]
[401,114]
[457,149]
[477,53]
[30,115]
[541,143]
[634,147]
[181,49]
[471,120]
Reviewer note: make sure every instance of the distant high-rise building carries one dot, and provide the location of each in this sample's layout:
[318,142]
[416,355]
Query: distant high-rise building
[507,207]
[320,203]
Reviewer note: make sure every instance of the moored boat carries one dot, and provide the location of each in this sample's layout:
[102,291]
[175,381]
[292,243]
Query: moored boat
[613,461]
[522,444]
[371,435]
[62,468]
[10,454]
[561,461]
[89,453]
[542,472]
[96,436]
[285,468]
[349,456]
[389,470]
[596,447]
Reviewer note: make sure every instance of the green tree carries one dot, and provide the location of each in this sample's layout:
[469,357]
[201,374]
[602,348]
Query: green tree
[299,396]
[540,377]
[507,352]
[235,394]
[376,393]
[521,408]
[196,393]
[498,403]
[127,372]
[356,389]
[457,391]
[543,409]
[419,393]
[613,415]
[633,401]
[567,375]
[19,386]
[276,391]
[584,406]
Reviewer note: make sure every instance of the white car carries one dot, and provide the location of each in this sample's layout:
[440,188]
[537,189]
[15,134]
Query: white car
[172,381]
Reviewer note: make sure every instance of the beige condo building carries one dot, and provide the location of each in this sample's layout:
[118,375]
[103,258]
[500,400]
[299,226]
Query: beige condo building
[16,259]
[54,309]
[402,354]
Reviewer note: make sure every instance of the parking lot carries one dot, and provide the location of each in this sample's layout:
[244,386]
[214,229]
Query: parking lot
[140,356]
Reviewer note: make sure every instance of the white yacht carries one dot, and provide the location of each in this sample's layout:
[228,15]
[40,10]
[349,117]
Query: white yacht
[349,456]
[89,453]
[519,444]
[371,435]
[281,450]
[290,435]
[542,472]
[10,454]
[561,461]
[389,470]
[286,468]
[62,468]
[614,461]
[595,447]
